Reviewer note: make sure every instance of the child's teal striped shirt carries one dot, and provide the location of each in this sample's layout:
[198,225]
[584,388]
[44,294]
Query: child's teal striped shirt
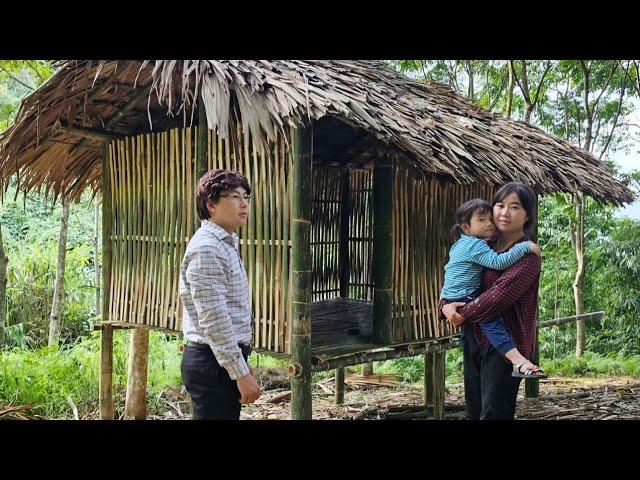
[467,258]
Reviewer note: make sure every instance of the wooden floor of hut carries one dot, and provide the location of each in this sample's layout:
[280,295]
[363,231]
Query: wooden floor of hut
[341,325]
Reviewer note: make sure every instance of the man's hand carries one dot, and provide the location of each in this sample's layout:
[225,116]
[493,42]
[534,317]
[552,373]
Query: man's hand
[450,310]
[249,389]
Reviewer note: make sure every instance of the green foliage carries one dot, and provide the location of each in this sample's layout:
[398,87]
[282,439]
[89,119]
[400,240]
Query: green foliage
[594,364]
[17,79]
[31,228]
[44,377]
[612,283]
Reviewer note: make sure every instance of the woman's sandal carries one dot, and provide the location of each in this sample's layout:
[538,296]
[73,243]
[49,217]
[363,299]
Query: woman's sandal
[532,371]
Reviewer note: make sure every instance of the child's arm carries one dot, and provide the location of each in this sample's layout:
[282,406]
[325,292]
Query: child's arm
[482,254]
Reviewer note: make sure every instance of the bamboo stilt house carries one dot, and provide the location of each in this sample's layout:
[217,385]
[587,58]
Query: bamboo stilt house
[356,173]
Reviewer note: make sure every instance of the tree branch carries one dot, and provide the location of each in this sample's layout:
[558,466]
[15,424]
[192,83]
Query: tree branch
[14,78]
[544,74]
[586,71]
[35,70]
[615,119]
[515,76]
[614,67]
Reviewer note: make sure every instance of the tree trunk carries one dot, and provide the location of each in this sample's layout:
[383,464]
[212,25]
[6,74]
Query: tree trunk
[136,398]
[55,320]
[367,369]
[96,259]
[579,279]
[4,261]
[579,227]
[510,88]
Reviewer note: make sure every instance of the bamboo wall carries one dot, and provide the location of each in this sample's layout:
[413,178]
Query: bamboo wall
[326,211]
[360,235]
[422,216]
[153,195]
[326,207]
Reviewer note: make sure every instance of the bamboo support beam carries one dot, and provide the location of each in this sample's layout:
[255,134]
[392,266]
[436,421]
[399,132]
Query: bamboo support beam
[300,368]
[98,91]
[106,373]
[382,244]
[343,252]
[339,386]
[439,362]
[106,352]
[378,356]
[88,133]
[427,393]
[202,165]
[127,107]
[136,396]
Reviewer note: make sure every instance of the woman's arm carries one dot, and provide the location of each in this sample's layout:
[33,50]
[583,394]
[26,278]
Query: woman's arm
[505,292]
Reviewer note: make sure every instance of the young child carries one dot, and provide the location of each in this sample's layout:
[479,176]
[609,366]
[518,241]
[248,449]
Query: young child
[468,256]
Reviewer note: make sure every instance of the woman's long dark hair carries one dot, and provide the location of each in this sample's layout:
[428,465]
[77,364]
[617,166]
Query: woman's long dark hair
[528,199]
[465,212]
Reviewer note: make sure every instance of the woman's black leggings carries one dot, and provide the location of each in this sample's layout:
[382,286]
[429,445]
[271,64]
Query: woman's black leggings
[489,389]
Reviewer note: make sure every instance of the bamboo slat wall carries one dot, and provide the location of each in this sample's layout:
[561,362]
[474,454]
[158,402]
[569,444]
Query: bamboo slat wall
[325,233]
[154,216]
[361,235]
[423,213]
[151,176]
[326,205]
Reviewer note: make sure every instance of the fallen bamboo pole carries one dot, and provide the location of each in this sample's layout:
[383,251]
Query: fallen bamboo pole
[572,318]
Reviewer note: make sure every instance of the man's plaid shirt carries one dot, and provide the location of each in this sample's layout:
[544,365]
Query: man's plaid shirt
[215,294]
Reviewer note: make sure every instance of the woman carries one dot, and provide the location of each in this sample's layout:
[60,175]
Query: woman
[490,389]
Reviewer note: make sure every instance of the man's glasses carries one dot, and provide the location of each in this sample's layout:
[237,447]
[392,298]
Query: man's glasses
[238,198]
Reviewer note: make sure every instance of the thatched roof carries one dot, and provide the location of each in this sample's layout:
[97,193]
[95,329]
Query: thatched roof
[58,138]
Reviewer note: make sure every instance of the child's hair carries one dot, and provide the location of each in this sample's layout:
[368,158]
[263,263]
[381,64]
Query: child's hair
[465,212]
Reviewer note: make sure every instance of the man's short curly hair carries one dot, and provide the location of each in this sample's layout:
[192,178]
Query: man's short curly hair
[212,184]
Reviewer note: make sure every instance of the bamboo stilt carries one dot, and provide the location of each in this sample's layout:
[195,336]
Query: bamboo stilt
[106,334]
[339,386]
[300,368]
[106,372]
[439,361]
[136,396]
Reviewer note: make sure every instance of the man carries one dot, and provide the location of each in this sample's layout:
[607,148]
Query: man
[215,294]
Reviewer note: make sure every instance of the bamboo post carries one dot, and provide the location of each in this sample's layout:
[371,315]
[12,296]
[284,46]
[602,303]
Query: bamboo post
[106,334]
[439,361]
[382,243]
[201,159]
[428,379]
[136,397]
[366,369]
[532,385]
[343,252]
[300,368]
[339,386]
[106,372]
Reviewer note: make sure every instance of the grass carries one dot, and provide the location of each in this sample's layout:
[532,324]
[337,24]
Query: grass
[45,377]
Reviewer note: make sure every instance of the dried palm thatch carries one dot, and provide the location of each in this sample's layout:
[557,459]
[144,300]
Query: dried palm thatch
[56,141]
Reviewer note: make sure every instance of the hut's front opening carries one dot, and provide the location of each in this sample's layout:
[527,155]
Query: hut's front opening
[341,239]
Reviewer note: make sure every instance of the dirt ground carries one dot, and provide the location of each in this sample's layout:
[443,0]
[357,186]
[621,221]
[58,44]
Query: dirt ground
[383,398]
